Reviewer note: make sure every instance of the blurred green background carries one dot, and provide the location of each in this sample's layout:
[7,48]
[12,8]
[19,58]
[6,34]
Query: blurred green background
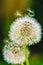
[36,51]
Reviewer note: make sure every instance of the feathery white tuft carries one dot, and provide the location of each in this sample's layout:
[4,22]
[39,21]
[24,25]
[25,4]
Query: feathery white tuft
[25,28]
[13,54]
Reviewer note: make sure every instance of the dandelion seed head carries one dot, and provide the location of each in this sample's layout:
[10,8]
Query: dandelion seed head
[13,54]
[25,28]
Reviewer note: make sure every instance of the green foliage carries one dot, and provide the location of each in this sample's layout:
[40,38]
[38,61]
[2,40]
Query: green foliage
[7,24]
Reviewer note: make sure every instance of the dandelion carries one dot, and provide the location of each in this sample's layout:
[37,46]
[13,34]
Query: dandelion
[13,53]
[25,29]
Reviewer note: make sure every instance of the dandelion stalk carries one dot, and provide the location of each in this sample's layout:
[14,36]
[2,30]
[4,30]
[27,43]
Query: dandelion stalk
[26,55]
[22,63]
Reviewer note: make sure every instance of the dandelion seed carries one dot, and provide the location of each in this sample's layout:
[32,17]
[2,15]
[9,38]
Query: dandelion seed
[25,28]
[18,13]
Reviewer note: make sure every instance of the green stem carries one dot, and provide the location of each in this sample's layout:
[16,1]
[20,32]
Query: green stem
[22,63]
[26,54]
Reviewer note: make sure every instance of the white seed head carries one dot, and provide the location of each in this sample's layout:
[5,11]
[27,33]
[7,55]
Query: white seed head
[25,28]
[13,54]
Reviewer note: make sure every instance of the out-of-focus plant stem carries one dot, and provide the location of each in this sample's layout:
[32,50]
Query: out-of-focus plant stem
[22,63]
[26,54]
